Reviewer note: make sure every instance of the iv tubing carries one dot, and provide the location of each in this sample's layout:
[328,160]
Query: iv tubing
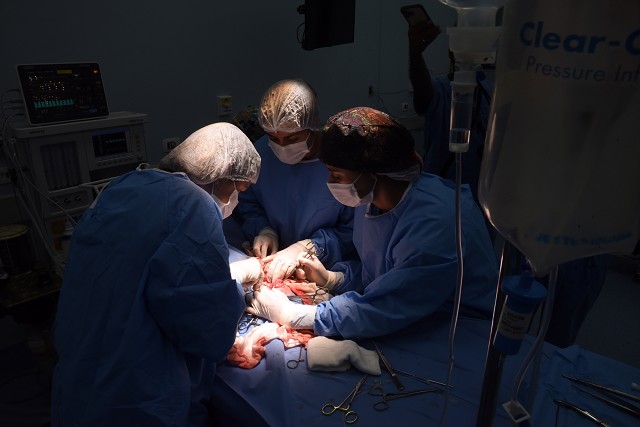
[539,342]
[458,292]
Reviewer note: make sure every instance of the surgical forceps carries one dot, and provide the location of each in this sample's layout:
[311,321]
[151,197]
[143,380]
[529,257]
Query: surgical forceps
[383,405]
[422,380]
[312,250]
[581,411]
[293,363]
[350,416]
[603,388]
[615,402]
[611,395]
[246,323]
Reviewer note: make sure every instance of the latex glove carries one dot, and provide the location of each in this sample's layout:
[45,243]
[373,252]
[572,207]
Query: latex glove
[283,264]
[275,306]
[312,270]
[265,243]
[325,354]
[248,272]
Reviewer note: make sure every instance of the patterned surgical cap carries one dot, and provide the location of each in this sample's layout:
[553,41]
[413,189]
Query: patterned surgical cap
[366,140]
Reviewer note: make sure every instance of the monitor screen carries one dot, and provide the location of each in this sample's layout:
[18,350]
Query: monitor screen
[328,23]
[55,93]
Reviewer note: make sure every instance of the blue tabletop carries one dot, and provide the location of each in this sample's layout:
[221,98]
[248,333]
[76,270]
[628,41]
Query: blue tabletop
[271,394]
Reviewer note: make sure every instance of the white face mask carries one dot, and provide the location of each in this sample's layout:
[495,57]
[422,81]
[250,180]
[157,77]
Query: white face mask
[227,208]
[290,154]
[348,195]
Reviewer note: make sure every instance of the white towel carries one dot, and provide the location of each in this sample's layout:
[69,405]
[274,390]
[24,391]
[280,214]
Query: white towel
[325,354]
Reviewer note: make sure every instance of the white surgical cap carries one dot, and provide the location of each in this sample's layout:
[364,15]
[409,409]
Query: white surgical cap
[289,106]
[214,152]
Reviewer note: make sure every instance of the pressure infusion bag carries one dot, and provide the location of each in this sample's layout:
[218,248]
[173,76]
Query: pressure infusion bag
[560,177]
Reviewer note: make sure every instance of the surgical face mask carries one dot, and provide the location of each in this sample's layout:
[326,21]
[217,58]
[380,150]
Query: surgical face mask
[292,153]
[227,208]
[348,195]
[409,174]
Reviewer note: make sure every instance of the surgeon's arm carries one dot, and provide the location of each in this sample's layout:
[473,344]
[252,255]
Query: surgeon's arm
[391,302]
[314,271]
[274,305]
[420,36]
[253,214]
[265,243]
[335,244]
[247,272]
[190,291]
[283,263]
[418,279]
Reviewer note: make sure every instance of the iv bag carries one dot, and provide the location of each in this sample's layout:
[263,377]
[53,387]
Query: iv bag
[560,177]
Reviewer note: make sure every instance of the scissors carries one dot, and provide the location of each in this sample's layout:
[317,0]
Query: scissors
[311,298]
[293,363]
[246,323]
[383,405]
[350,416]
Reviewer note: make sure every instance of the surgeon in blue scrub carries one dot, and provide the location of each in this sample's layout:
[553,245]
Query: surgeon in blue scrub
[149,304]
[291,210]
[404,232]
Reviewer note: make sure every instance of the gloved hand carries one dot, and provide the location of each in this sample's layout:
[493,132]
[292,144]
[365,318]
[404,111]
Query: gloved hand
[325,354]
[247,272]
[313,270]
[265,243]
[275,306]
[283,264]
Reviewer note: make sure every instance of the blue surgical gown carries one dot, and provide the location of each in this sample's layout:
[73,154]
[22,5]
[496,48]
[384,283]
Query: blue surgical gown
[147,307]
[295,201]
[409,264]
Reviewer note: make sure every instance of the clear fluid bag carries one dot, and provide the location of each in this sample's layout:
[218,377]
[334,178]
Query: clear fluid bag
[560,177]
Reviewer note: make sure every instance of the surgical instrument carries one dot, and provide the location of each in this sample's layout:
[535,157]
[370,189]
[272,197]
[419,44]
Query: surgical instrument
[389,368]
[320,292]
[246,323]
[383,405]
[603,388]
[293,363]
[615,402]
[312,250]
[582,412]
[422,380]
[350,416]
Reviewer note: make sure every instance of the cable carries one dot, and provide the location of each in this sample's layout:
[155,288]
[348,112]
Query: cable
[25,197]
[458,293]
[539,342]
[300,40]
[57,259]
[383,107]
